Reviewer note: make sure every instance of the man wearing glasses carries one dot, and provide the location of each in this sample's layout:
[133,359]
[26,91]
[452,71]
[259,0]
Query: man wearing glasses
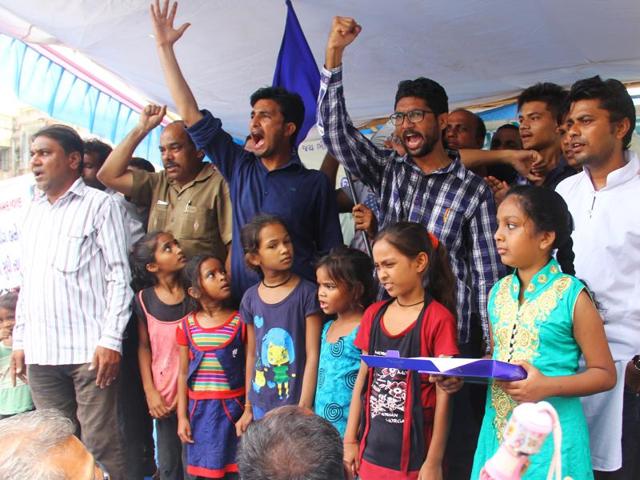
[428,185]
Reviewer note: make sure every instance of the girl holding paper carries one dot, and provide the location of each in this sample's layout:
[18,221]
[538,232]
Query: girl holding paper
[405,423]
[543,319]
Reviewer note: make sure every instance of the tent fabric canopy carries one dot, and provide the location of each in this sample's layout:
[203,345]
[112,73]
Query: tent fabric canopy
[480,51]
[39,81]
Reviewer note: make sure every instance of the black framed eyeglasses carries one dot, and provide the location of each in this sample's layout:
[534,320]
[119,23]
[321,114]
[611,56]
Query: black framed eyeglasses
[414,116]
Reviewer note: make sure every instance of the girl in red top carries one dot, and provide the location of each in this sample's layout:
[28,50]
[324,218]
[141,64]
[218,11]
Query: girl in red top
[398,428]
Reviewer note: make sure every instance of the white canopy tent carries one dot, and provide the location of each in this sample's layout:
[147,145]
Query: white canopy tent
[480,50]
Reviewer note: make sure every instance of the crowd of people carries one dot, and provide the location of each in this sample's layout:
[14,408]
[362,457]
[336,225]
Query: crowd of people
[199,303]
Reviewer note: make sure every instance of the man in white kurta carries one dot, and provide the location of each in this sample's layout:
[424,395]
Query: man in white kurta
[604,200]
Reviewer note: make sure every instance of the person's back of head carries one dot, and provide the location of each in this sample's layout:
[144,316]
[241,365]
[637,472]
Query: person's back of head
[26,443]
[291,443]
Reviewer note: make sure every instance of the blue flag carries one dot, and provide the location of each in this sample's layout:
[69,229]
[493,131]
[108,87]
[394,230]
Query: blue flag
[297,71]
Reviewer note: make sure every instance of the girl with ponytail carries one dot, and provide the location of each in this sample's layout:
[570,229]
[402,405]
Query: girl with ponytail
[405,418]
[543,319]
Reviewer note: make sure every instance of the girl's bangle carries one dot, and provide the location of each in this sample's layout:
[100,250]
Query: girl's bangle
[354,442]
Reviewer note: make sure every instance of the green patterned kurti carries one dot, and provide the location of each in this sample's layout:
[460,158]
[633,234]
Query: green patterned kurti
[540,331]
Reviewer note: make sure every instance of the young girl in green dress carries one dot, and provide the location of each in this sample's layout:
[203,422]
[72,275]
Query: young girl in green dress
[543,319]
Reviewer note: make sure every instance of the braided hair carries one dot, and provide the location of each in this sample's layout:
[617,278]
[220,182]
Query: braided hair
[549,212]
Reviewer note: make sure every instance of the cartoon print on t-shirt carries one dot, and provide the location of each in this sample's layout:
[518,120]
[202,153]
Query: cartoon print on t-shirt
[277,353]
[388,394]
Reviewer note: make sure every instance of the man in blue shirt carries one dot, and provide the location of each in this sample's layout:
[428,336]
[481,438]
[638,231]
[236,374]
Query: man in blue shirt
[268,179]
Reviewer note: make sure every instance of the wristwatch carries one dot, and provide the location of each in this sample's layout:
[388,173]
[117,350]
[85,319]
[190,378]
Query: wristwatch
[636,362]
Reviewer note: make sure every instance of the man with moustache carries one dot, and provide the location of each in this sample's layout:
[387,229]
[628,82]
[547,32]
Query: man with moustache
[189,198]
[74,296]
[428,185]
[603,200]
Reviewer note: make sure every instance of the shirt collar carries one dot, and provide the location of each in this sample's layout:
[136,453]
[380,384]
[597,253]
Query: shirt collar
[454,167]
[547,274]
[622,175]
[205,172]
[77,188]
[293,163]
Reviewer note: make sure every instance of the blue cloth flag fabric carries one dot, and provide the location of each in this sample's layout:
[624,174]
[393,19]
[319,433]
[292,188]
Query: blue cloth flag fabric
[297,71]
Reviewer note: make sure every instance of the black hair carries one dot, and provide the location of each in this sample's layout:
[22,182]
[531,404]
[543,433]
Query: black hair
[353,269]
[142,164]
[191,273]
[410,239]
[98,149]
[613,97]
[549,212]
[429,90]
[508,126]
[67,137]
[290,103]
[143,253]
[250,235]
[553,96]
[289,443]
[9,301]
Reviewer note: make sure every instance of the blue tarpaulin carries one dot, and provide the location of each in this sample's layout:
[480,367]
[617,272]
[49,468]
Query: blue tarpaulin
[42,83]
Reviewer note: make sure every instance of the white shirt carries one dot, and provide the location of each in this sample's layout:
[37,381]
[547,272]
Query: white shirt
[75,292]
[134,221]
[606,242]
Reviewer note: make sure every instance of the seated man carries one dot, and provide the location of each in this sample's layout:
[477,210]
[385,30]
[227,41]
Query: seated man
[291,443]
[267,175]
[189,198]
[41,445]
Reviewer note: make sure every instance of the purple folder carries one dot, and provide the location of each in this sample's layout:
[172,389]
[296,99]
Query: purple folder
[471,369]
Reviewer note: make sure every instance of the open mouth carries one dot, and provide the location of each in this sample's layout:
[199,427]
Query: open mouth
[412,140]
[258,140]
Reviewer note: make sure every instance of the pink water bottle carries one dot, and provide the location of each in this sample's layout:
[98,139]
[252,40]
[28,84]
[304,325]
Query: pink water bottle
[528,427]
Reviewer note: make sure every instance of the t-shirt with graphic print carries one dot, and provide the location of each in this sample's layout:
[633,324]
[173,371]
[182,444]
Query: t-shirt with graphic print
[280,332]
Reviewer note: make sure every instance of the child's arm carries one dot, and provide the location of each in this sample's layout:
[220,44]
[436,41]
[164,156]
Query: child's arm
[351,443]
[432,466]
[157,408]
[250,349]
[184,427]
[312,347]
[599,376]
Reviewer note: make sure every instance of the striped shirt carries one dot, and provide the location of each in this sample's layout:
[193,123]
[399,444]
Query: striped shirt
[452,203]
[75,291]
[210,376]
